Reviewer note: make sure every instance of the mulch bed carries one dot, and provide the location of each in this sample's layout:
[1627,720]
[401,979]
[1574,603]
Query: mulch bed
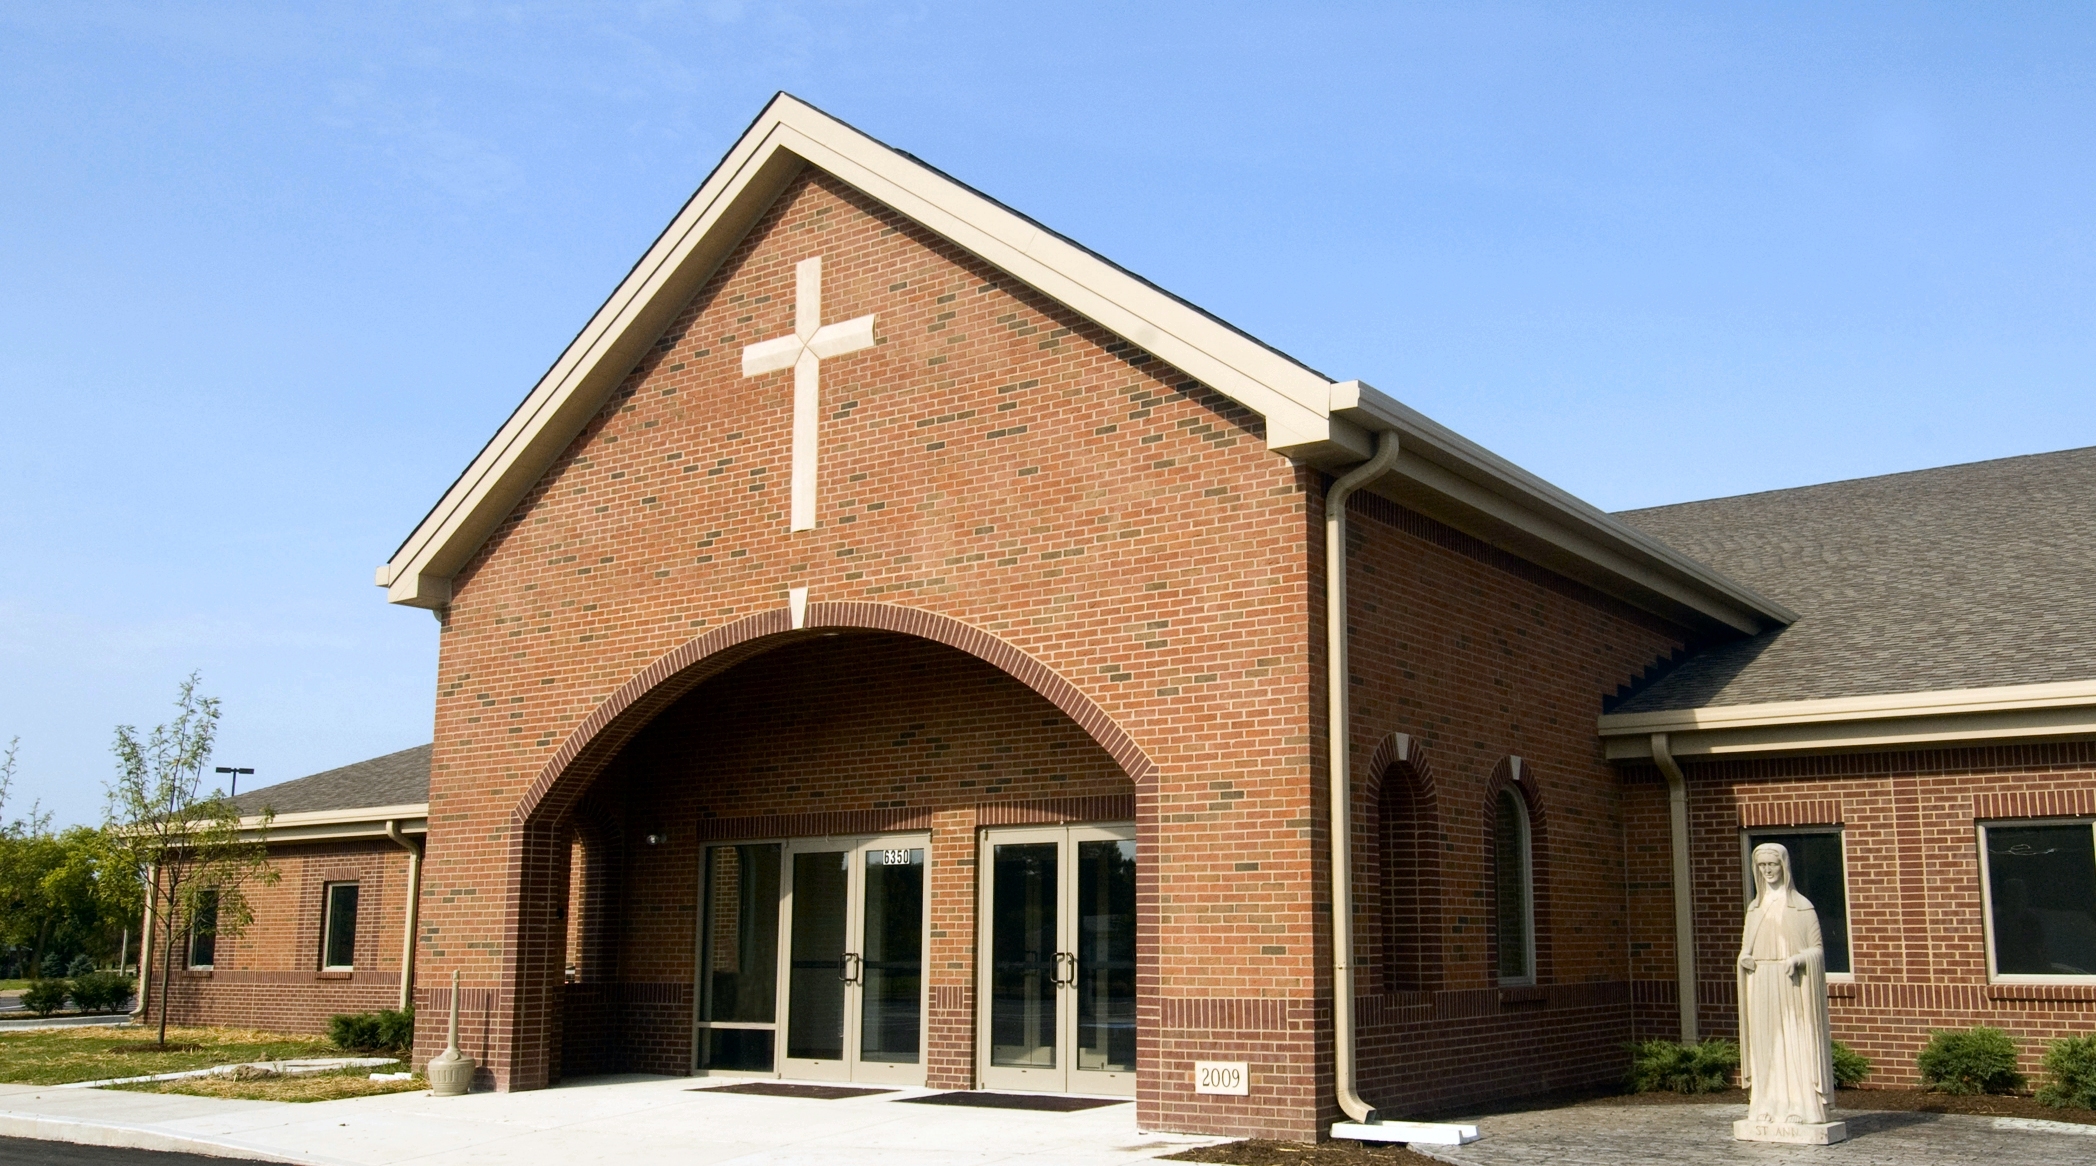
[1260,1152]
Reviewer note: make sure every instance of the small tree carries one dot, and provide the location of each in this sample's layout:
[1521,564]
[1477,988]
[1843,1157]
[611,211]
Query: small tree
[28,855]
[183,846]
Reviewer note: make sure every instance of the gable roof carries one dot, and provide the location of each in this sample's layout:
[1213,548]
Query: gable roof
[1976,576]
[1307,416]
[394,781]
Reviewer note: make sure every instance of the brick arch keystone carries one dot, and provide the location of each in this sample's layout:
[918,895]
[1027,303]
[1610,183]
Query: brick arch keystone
[615,720]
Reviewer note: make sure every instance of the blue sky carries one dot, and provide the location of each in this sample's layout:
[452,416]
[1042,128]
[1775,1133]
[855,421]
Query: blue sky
[270,274]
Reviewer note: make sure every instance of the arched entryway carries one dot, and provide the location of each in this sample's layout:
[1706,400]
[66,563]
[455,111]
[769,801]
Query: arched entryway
[899,748]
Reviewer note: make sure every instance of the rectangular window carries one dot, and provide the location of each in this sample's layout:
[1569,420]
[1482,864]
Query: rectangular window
[2041,898]
[338,928]
[203,930]
[1822,877]
[739,959]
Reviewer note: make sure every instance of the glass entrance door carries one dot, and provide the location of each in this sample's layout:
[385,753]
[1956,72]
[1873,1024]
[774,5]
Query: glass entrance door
[855,921]
[1058,963]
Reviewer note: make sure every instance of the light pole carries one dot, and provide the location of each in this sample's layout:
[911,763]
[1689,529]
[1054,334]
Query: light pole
[236,777]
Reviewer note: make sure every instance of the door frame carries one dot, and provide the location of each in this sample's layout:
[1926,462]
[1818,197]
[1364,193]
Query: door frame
[1065,1077]
[849,1067]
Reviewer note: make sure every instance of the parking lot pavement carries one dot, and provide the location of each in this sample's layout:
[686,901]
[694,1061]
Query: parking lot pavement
[64,1022]
[30,1152]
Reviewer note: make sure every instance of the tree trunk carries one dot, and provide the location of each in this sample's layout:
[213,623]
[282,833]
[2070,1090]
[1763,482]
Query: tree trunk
[167,969]
[36,954]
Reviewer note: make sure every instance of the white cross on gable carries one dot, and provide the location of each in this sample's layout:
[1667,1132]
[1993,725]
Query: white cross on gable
[811,342]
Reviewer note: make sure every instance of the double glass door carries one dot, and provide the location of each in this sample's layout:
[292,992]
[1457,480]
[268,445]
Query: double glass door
[1058,959]
[812,959]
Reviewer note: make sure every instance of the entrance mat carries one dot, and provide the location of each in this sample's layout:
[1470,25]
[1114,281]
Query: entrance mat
[1056,1103]
[789,1089]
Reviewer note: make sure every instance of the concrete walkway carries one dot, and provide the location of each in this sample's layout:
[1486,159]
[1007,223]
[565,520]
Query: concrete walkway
[1670,1135]
[631,1121]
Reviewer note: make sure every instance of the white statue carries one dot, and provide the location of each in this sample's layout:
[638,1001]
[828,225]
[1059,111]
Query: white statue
[1786,1059]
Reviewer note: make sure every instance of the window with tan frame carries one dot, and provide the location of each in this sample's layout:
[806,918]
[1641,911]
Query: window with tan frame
[338,928]
[203,932]
[2039,889]
[1513,888]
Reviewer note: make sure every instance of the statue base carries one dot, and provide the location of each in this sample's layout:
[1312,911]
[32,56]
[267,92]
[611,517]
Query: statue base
[1791,1133]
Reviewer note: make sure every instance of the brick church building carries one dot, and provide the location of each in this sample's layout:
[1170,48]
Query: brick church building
[894,644]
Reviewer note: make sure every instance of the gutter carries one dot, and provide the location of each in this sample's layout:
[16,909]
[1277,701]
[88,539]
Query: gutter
[2002,714]
[1684,890]
[414,905]
[1338,735]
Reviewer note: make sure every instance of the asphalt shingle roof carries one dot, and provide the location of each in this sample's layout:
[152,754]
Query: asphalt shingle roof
[392,780]
[1961,577]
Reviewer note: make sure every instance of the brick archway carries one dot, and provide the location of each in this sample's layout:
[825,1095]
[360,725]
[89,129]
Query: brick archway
[625,712]
[536,858]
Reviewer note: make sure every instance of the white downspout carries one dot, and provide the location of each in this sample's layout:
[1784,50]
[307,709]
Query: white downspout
[407,943]
[1684,890]
[1338,732]
[145,943]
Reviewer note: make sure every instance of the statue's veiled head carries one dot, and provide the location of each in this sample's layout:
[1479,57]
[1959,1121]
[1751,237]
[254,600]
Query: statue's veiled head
[1771,868]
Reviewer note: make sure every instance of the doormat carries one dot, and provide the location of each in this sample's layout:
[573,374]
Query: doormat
[789,1089]
[1056,1103]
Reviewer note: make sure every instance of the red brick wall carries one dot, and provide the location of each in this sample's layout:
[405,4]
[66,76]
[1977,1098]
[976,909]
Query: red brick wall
[1479,657]
[1917,931]
[269,977]
[995,460]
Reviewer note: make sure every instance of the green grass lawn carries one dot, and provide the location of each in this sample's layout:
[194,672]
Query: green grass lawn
[13,985]
[56,1056]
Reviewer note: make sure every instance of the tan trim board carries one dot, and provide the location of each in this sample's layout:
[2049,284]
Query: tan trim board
[1902,720]
[356,822]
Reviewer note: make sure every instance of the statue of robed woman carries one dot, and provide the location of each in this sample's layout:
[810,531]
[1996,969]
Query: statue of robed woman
[1785,1057]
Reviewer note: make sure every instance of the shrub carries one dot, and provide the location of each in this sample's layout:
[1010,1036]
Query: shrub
[80,966]
[1977,1060]
[2070,1068]
[45,997]
[102,991]
[1850,1066]
[1670,1066]
[373,1032]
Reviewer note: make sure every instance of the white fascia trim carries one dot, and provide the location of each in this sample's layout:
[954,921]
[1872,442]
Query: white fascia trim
[1450,465]
[2066,709]
[788,135]
[356,822]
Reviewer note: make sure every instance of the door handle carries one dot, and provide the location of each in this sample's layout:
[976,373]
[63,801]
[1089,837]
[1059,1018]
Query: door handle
[849,966]
[1060,980]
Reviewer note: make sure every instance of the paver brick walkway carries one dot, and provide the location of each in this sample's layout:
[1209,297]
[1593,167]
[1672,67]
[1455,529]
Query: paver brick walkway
[1694,1135]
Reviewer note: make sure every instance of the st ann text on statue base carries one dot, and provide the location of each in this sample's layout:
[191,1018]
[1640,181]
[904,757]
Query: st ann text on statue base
[1786,1059]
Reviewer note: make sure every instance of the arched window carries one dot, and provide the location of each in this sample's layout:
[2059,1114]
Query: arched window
[1513,885]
